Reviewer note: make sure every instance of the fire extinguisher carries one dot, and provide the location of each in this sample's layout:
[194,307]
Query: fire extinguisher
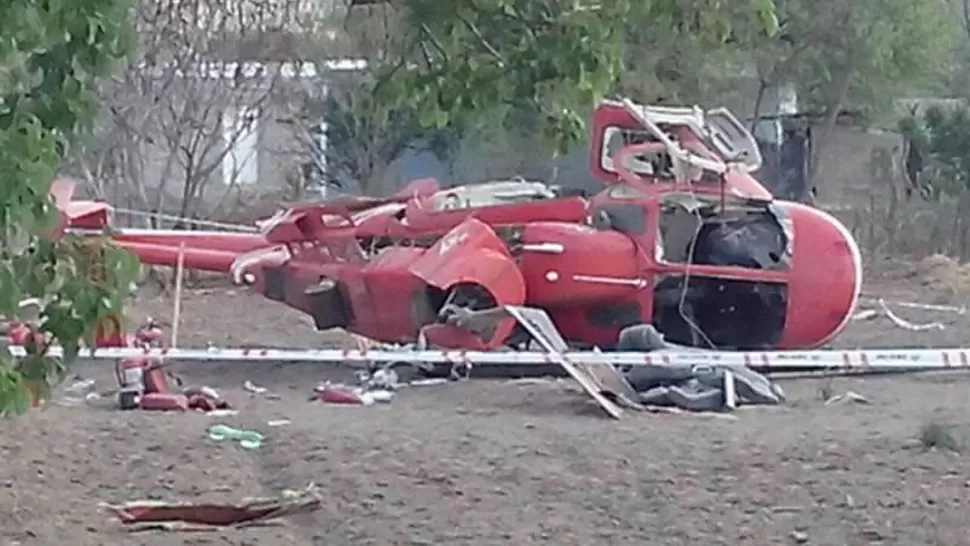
[131,382]
[149,335]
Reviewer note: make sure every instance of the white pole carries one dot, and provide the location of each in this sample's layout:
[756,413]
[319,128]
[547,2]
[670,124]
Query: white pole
[177,310]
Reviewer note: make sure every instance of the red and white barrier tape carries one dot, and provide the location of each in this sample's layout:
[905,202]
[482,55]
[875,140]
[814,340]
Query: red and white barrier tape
[887,359]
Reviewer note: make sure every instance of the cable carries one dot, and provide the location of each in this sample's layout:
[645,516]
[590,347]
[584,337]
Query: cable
[173,218]
[695,328]
[683,293]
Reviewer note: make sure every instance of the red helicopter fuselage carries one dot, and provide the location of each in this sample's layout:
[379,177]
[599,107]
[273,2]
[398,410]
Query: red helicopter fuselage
[713,263]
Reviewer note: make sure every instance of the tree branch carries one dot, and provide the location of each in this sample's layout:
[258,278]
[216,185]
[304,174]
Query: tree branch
[481,40]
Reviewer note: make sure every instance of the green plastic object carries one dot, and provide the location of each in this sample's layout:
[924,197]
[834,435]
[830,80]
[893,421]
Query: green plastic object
[249,439]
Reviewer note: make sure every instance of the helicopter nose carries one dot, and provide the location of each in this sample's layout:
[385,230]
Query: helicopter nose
[825,280]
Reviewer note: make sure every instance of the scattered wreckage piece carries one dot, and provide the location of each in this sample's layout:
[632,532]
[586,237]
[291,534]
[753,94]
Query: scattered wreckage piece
[158,515]
[885,311]
[848,396]
[697,388]
[703,388]
[343,395]
[905,324]
[603,384]
[958,310]
[247,439]
[145,383]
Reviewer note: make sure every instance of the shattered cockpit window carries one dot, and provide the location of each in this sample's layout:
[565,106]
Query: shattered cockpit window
[699,232]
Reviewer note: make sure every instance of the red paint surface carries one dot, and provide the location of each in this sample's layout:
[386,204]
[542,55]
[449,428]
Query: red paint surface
[383,292]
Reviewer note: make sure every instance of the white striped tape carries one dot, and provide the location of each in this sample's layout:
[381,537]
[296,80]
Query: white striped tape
[887,359]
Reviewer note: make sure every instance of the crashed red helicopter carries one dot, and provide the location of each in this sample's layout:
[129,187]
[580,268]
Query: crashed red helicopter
[683,237]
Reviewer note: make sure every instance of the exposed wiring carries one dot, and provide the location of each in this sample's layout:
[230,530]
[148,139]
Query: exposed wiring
[681,306]
[696,330]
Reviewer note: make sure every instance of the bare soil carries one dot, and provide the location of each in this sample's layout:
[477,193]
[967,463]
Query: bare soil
[493,462]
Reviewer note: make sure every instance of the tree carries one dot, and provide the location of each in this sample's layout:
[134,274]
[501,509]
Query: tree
[942,137]
[843,53]
[361,145]
[54,55]
[179,116]
[362,139]
[665,62]
[469,60]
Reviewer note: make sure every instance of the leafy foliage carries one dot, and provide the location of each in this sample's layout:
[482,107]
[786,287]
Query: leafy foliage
[942,136]
[362,140]
[53,54]
[860,54]
[468,61]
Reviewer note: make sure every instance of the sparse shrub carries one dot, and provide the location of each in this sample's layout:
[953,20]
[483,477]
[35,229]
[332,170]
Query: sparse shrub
[935,435]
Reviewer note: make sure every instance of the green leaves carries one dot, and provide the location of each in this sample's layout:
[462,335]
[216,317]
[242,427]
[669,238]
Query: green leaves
[862,55]
[10,296]
[767,17]
[52,56]
[433,118]
[468,61]
[13,391]
[942,136]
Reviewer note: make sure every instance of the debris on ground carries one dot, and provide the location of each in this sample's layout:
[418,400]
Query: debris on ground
[898,321]
[430,382]
[205,399]
[164,401]
[460,371]
[866,314]
[529,381]
[935,307]
[671,410]
[847,397]
[165,516]
[80,387]
[603,384]
[697,388]
[383,378]
[80,391]
[352,396]
[375,385]
[146,383]
[249,439]
[252,388]
[703,388]
[885,311]
[202,399]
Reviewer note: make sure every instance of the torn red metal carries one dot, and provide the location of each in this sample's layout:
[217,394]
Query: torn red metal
[159,515]
[683,238]
[471,260]
[340,395]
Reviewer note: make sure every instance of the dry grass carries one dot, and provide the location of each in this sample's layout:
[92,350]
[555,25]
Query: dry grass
[942,274]
[889,225]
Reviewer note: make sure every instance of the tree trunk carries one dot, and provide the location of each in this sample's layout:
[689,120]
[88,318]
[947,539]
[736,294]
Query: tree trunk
[759,98]
[820,141]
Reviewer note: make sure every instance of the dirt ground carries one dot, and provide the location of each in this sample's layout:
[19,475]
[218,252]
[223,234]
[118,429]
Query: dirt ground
[492,462]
